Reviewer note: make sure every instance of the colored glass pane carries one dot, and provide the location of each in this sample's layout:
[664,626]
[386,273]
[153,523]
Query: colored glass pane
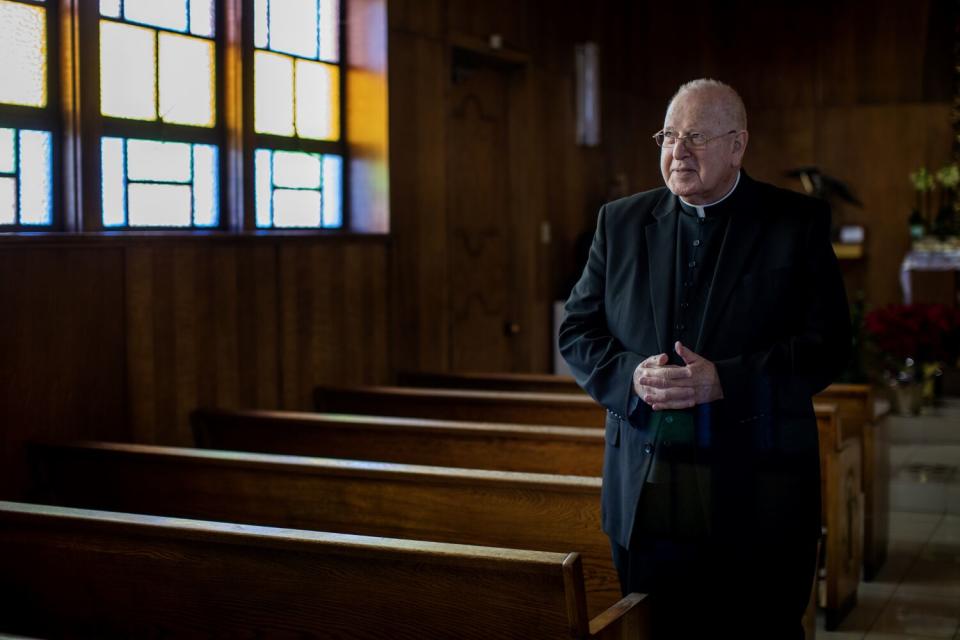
[36,178]
[202,18]
[8,200]
[114,193]
[293,27]
[330,30]
[23,54]
[296,208]
[206,207]
[297,170]
[264,187]
[127,78]
[167,14]
[332,191]
[273,93]
[260,28]
[318,100]
[186,80]
[158,161]
[110,8]
[7,164]
[160,205]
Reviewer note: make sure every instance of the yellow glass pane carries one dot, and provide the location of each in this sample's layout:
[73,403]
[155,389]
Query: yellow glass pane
[23,54]
[127,78]
[273,93]
[318,100]
[187,80]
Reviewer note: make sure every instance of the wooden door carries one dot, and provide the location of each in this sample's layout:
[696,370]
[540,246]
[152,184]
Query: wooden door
[482,283]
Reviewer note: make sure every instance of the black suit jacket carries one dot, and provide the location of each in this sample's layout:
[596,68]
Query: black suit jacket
[776,325]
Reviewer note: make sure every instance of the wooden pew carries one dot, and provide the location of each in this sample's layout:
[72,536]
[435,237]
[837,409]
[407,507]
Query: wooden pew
[842,502]
[562,409]
[864,417]
[483,381]
[464,506]
[504,447]
[78,573]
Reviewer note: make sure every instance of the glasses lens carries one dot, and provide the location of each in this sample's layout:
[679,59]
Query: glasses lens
[697,139]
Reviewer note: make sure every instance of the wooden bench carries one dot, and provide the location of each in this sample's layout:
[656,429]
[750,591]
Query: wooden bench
[864,418]
[72,572]
[483,381]
[842,503]
[504,447]
[465,506]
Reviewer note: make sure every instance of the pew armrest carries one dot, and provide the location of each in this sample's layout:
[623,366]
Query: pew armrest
[628,618]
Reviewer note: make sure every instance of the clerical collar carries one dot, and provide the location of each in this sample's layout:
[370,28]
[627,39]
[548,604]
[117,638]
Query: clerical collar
[699,210]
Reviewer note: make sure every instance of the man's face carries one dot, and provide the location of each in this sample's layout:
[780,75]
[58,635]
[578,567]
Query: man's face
[701,175]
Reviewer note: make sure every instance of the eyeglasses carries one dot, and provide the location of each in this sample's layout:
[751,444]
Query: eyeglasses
[696,140]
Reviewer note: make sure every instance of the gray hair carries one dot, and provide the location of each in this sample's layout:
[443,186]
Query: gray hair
[730,102]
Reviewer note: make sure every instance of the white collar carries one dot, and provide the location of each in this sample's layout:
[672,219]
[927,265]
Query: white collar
[701,207]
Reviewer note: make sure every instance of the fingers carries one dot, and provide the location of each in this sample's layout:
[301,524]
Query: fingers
[667,377]
[685,353]
[675,398]
[655,361]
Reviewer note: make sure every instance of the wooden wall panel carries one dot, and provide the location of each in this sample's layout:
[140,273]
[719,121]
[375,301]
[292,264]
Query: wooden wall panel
[61,350]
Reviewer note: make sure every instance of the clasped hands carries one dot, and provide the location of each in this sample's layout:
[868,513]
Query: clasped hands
[670,386]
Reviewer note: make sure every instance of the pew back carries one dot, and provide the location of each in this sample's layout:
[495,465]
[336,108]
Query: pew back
[529,382]
[72,572]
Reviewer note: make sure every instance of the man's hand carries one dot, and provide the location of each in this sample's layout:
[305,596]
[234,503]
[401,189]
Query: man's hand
[665,386]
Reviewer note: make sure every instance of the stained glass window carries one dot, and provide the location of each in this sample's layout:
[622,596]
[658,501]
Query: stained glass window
[23,52]
[298,190]
[151,183]
[157,61]
[26,177]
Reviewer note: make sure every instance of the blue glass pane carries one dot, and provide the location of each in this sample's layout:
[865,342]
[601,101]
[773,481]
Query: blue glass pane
[332,191]
[168,14]
[206,196]
[264,188]
[36,178]
[158,161]
[160,205]
[114,193]
[202,18]
[8,200]
[296,208]
[297,170]
[7,164]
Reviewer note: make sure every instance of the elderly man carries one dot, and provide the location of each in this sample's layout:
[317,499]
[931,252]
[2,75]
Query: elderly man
[708,315]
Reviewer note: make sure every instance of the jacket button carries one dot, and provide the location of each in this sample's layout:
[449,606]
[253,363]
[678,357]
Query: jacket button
[669,419]
[648,448]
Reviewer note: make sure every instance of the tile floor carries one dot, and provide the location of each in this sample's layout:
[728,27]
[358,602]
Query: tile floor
[917,593]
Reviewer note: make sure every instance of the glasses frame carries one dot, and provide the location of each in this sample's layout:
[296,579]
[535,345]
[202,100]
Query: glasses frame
[659,137]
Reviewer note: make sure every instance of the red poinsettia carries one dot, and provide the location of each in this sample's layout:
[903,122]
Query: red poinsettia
[923,332]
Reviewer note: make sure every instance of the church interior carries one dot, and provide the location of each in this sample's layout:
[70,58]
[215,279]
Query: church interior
[281,282]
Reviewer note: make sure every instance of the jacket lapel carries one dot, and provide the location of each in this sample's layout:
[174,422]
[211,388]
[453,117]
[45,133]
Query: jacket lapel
[661,237]
[738,245]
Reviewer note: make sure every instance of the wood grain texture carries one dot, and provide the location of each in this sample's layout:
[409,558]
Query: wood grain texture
[77,572]
[491,508]
[563,450]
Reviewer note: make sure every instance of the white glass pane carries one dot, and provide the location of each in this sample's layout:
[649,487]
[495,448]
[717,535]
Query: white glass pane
[206,207]
[110,8]
[127,87]
[114,193]
[273,89]
[296,208]
[23,54]
[332,191]
[7,164]
[202,18]
[318,101]
[293,27]
[36,179]
[158,161]
[159,205]
[8,200]
[169,14]
[297,170]
[264,188]
[186,80]
[260,24]
[330,30]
